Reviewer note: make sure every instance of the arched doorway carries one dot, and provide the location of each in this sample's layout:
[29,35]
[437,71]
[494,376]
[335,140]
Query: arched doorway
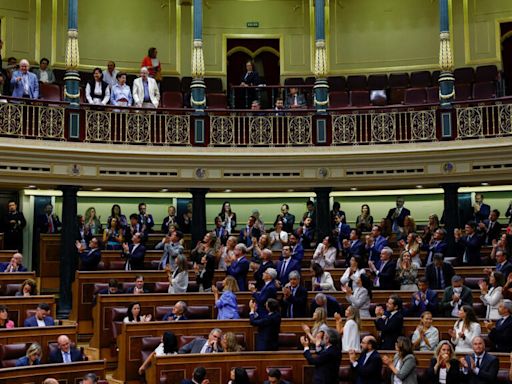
[265,55]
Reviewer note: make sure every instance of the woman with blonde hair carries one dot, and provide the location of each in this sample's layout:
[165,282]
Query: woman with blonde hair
[406,272]
[319,325]
[227,304]
[412,245]
[425,337]
[92,222]
[444,366]
[178,279]
[227,251]
[32,356]
[229,342]
[350,332]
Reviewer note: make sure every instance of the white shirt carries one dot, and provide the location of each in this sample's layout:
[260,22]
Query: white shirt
[40,323]
[351,338]
[110,79]
[43,76]
[398,365]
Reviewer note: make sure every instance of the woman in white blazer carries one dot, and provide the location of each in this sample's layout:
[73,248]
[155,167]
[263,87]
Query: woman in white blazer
[491,294]
[322,280]
[360,296]
[464,330]
[325,253]
[178,279]
[353,272]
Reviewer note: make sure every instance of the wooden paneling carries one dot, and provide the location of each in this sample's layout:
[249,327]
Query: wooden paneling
[14,278]
[18,306]
[49,262]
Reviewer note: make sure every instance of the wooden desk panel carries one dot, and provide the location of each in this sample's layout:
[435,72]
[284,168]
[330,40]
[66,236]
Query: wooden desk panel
[41,335]
[64,373]
[14,278]
[18,306]
[49,262]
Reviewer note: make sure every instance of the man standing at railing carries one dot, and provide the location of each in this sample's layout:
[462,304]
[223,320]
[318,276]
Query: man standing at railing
[145,91]
[24,83]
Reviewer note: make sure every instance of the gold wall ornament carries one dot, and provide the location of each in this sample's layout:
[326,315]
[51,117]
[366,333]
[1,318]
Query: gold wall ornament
[344,129]
[445,52]
[320,69]
[383,127]
[51,122]
[505,119]
[222,130]
[72,54]
[11,119]
[300,130]
[260,130]
[470,122]
[423,125]
[197,59]
[98,126]
[138,128]
[177,128]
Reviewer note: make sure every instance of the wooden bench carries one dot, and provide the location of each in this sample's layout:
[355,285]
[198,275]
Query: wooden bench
[129,340]
[41,335]
[7,278]
[64,373]
[18,306]
[172,369]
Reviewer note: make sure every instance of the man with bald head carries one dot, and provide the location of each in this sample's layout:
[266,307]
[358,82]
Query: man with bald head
[24,83]
[50,380]
[368,367]
[145,90]
[479,367]
[15,265]
[65,352]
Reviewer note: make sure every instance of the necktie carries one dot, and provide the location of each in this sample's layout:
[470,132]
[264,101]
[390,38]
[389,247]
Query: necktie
[208,349]
[500,321]
[283,269]
[366,358]
[67,358]
[295,100]
[50,224]
[439,278]
[478,361]
[290,309]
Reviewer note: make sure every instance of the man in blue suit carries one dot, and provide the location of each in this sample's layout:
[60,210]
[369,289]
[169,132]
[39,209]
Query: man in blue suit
[294,302]
[469,245]
[341,232]
[500,333]
[248,232]
[479,367]
[268,291]
[134,253]
[266,262]
[437,245]
[199,377]
[65,354]
[353,246]
[239,268]
[374,243]
[24,83]
[268,325]
[327,361]
[296,248]
[274,377]
[368,368]
[285,266]
[390,323]
[398,214]
[423,300]
[329,303]
[42,317]
[481,211]
[177,313]
[145,220]
[15,265]
[89,257]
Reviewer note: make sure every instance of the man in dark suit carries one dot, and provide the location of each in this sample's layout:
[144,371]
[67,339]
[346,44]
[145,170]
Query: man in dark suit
[13,222]
[310,212]
[354,246]
[390,322]
[368,368]
[341,232]
[455,296]
[286,217]
[500,333]
[398,214]
[439,274]
[274,377]
[202,345]
[199,377]
[502,264]
[423,300]
[138,288]
[239,268]
[48,222]
[294,302]
[337,211]
[268,325]
[65,354]
[177,313]
[479,367]
[296,248]
[327,361]
[481,211]
[268,291]
[285,266]
[469,245]
[490,229]
[145,219]
[248,232]
[330,304]
[41,318]
[89,257]
[170,219]
[384,271]
[437,245]
[266,262]
[15,265]
[375,242]
[134,253]
[295,100]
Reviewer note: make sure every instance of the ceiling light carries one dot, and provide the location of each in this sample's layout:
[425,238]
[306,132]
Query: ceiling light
[484,183]
[97,189]
[291,190]
[227,190]
[164,190]
[31,187]
[419,186]
[353,189]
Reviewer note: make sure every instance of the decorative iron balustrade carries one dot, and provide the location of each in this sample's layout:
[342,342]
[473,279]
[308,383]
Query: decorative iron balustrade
[265,128]
[374,127]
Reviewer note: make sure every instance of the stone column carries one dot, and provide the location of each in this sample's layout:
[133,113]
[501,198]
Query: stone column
[68,252]
[198,88]
[321,88]
[451,213]
[446,79]
[198,226]
[323,221]
[72,78]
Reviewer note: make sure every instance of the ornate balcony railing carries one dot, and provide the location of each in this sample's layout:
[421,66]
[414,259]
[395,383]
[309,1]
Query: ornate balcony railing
[265,128]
